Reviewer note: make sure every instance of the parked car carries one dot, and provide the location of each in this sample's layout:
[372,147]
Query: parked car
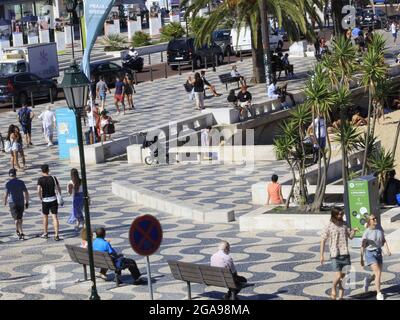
[242,41]
[223,39]
[109,71]
[377,20]
[184,52]
[21,85]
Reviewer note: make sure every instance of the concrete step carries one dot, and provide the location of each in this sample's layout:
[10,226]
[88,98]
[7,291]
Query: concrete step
[393,240]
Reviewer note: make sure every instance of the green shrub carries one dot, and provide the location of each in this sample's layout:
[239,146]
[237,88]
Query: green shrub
[141,39]
[172,31]
[114,42]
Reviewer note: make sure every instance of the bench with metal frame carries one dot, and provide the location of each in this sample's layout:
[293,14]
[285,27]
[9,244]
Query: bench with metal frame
[101,260]
[203,274]
[227,78]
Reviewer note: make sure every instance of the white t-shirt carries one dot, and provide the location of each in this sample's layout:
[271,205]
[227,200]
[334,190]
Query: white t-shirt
[235,74]
[90,119]
[271,91]
[320,127]
[394,29]
[48,117]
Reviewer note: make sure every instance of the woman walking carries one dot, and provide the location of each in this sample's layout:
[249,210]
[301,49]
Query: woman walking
[373,240]
[198,85]
[20,145]
[11,146]
[75,189]
[129,89]
[337,234]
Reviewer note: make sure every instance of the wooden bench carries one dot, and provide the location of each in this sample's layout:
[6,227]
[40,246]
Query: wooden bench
[101,260]
[227,78]
[203,274]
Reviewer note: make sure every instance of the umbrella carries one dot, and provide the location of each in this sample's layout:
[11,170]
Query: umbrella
[355,32]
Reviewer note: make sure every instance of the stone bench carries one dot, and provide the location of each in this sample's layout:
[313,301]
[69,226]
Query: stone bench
[173,206]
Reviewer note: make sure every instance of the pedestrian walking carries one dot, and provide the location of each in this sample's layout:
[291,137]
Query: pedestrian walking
[20,145]
[25,117]
[11,145]
[48,187]
[373,240]
[119,94]
[74,189]
[17,196]
[101,90]
[106,126]
[129,90]
[93,91]
[337,233]
[394,29]
[198,85]
[48,118]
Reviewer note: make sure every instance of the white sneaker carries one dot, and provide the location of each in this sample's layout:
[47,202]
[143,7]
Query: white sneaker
[49,144]
[379,296]
[367,282]
[117,113]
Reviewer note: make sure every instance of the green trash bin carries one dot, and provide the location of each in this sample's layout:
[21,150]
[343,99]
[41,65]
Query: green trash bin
[363,199]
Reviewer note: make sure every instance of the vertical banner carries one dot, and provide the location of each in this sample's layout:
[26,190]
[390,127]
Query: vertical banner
[66,132]
[96,13]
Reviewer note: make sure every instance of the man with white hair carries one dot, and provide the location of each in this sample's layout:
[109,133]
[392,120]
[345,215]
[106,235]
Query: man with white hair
[222,259]
[48,118]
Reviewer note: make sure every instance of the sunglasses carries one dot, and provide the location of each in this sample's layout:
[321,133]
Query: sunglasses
[373,219]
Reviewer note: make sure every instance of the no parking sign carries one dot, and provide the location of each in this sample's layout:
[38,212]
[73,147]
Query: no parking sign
[145,237]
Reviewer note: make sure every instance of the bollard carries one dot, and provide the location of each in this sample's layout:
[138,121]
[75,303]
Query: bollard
[151,73]
[192,65]
[179,68]
[32,102]
[166,70]
[205,62]
[149,59]
[162,57]
[241,57]
[51,96]
[13,103]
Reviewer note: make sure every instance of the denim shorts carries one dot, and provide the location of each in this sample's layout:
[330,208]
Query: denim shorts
[373,256]
[339,262]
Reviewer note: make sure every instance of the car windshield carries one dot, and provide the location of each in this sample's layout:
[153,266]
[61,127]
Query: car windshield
[221,35]
[7,68]
[177,45]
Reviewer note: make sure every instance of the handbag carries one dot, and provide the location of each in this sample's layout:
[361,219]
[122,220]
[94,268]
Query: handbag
[60,199]
[7,146]
[109,128]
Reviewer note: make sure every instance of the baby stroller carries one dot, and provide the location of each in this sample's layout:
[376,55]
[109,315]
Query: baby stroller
[153,157]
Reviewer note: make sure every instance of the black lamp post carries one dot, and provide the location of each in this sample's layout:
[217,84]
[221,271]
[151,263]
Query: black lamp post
[79,13]
[76,89]
[70,5]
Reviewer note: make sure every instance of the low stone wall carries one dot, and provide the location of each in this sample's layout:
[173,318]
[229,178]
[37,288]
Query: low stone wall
[160,202]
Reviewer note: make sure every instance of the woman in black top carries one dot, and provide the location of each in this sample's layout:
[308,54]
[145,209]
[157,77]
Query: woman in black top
[198,85]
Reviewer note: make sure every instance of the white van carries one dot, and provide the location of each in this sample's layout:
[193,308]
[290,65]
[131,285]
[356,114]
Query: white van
[243,42]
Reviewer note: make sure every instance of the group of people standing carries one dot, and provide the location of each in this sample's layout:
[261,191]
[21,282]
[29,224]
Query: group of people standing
[50,194]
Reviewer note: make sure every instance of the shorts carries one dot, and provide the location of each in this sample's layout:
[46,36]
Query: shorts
[394,35]
[373,257]
[102,96]
[17,211]
[119,97]
[340,262]
[322,142]
[27,128]
[48,207]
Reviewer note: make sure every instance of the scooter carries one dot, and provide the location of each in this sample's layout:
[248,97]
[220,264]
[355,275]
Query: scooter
[133,63]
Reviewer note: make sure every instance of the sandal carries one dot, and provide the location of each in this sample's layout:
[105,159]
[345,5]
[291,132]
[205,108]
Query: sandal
[333,295]
[57,238]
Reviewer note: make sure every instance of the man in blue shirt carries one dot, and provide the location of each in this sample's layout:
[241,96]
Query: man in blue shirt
[14,195]
[25,116]
[121,263]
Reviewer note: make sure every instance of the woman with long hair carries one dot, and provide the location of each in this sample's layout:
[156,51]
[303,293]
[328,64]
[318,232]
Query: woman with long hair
[198,85]
[20,145]
[75,189]
[129,89]
[12,146]
[373,240]
[337,234]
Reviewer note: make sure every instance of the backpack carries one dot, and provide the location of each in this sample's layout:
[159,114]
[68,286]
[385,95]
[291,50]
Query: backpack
[109,128]
[25,117]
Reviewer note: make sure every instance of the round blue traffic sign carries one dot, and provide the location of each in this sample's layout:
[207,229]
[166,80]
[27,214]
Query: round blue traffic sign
[145,235]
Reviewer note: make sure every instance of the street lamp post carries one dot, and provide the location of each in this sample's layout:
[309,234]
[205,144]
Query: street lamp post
[70,5]
[79,14]
[76,89]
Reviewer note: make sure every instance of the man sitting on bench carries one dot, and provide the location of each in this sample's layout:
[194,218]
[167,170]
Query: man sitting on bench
[235,74]
[209,85]
[244,99]
[121,263]
[222,259]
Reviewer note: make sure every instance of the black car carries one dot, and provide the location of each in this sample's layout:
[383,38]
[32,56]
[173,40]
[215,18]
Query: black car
[223,39]
[21,85]
[184,52]
[109,71]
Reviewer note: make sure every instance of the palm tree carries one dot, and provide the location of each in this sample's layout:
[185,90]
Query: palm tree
[374,71]
[381,163]
[290,15]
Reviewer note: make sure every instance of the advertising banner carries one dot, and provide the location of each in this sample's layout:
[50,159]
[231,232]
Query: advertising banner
[66,131]
[96,13]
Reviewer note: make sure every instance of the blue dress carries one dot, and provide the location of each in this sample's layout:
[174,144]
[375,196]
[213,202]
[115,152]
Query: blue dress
[77,207]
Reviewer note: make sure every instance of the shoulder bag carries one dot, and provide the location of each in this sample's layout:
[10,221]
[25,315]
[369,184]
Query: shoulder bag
[60,199]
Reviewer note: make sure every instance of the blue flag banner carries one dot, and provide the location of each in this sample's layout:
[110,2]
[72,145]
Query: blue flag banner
[96,13]
[66,132]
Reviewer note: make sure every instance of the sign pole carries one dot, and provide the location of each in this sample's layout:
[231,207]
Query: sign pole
[149,278]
